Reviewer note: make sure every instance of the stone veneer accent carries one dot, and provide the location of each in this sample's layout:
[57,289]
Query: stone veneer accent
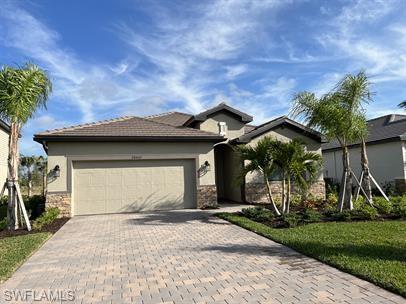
[206,196]
[61,200]
[257,193]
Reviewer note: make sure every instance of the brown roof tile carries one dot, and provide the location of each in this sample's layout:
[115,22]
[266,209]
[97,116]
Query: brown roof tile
[176,119]
[128,127]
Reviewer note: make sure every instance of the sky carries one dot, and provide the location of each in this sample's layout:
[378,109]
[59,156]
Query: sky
[108,59]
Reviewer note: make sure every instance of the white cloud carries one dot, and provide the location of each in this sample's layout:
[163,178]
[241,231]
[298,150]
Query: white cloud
[235,70]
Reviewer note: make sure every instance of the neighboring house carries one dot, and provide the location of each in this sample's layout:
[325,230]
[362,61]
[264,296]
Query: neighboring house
[386,150]
[168,161]
[4,135]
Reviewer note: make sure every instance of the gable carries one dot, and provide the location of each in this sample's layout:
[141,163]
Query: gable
[234,126]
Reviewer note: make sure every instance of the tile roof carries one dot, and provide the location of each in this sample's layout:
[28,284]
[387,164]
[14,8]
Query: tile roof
[221,107]
[128,127]
[176,119]
[277,122]
[386,127]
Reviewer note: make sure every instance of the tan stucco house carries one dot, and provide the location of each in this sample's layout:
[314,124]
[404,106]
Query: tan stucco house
[4,135]
[386,149]
[168,161]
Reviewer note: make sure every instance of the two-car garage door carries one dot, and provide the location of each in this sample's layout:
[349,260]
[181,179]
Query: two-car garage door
[133,185]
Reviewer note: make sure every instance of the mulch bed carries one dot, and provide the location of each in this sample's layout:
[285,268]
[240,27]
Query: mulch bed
[53,227]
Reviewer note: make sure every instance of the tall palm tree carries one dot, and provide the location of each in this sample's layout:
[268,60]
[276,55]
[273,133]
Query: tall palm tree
[402,104]
[22,91]
[259,159]
[297,165]
[338,115]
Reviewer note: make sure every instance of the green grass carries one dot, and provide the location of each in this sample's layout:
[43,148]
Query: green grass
[374,250]
[16,249]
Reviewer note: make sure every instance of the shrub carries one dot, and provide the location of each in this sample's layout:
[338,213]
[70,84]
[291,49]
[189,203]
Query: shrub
[365,213]
[399,206]
[290,220]
[46,218]
[311,216]
[35,205]
[359,203]
[341,216]
[258,214]
[3,224]
[382,205]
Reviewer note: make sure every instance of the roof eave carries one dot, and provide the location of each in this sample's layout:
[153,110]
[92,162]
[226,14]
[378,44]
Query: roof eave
[59,138]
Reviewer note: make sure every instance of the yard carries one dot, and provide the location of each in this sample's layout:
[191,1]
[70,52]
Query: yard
[372,250]
[14,250]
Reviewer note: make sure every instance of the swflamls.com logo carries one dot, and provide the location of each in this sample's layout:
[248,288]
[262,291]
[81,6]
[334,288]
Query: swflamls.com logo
[31,295]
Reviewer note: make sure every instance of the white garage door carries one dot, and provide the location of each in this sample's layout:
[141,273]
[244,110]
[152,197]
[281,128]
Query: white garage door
[131,186]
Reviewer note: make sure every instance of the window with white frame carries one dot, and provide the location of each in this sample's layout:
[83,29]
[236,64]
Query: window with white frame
[222,128]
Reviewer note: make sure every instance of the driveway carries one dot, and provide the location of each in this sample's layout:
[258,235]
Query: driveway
[181,257]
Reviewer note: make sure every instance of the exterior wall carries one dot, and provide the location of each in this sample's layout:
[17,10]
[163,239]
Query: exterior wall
[386,161]
[254,181]
[257,193]
[3,156]
[235,128]
[62,154]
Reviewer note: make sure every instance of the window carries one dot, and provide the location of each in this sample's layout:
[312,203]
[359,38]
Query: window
[222,128]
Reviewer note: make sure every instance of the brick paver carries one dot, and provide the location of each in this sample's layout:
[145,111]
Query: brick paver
[181,257]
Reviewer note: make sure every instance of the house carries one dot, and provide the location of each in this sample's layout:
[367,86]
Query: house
[4,135]
[168,161]
[386,150]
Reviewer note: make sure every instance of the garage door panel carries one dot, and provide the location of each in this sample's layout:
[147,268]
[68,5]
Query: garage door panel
[131,186]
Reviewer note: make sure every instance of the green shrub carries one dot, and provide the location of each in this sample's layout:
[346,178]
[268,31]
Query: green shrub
[290,220]
[365,213]
[341,216]
[311,216]
[35,205]
[46,218]
[399,206]
[382,205]
[258,214]
[3,224]
[359,203]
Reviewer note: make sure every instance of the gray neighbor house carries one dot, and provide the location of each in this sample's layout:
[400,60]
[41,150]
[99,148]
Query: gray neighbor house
[161,162]
[386,149]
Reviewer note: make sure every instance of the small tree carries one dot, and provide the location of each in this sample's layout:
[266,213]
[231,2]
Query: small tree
[22,91]
[259,160]
[297,165]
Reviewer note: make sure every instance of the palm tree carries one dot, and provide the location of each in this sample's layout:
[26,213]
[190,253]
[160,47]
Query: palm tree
[297,165]
[22,91]
[259,159]
[338,115]
[402,104]
[30,164]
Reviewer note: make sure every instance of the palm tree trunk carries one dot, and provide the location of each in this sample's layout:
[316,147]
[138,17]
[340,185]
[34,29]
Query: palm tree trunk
[288,195]
[271,200]
[12,175]
[283,197]
[345,197]
[366,182]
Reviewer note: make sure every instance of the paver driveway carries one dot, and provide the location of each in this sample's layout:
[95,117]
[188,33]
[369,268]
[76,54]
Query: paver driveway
[182,257]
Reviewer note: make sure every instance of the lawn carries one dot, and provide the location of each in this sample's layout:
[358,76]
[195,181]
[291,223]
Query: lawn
[15,250]
[373,250]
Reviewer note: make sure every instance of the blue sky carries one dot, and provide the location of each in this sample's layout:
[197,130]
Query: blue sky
[114,58]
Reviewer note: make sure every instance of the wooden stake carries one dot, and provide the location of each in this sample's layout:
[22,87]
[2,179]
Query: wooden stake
[359,185]
[24,211]
[379,188]
[3,189]
[360,188]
